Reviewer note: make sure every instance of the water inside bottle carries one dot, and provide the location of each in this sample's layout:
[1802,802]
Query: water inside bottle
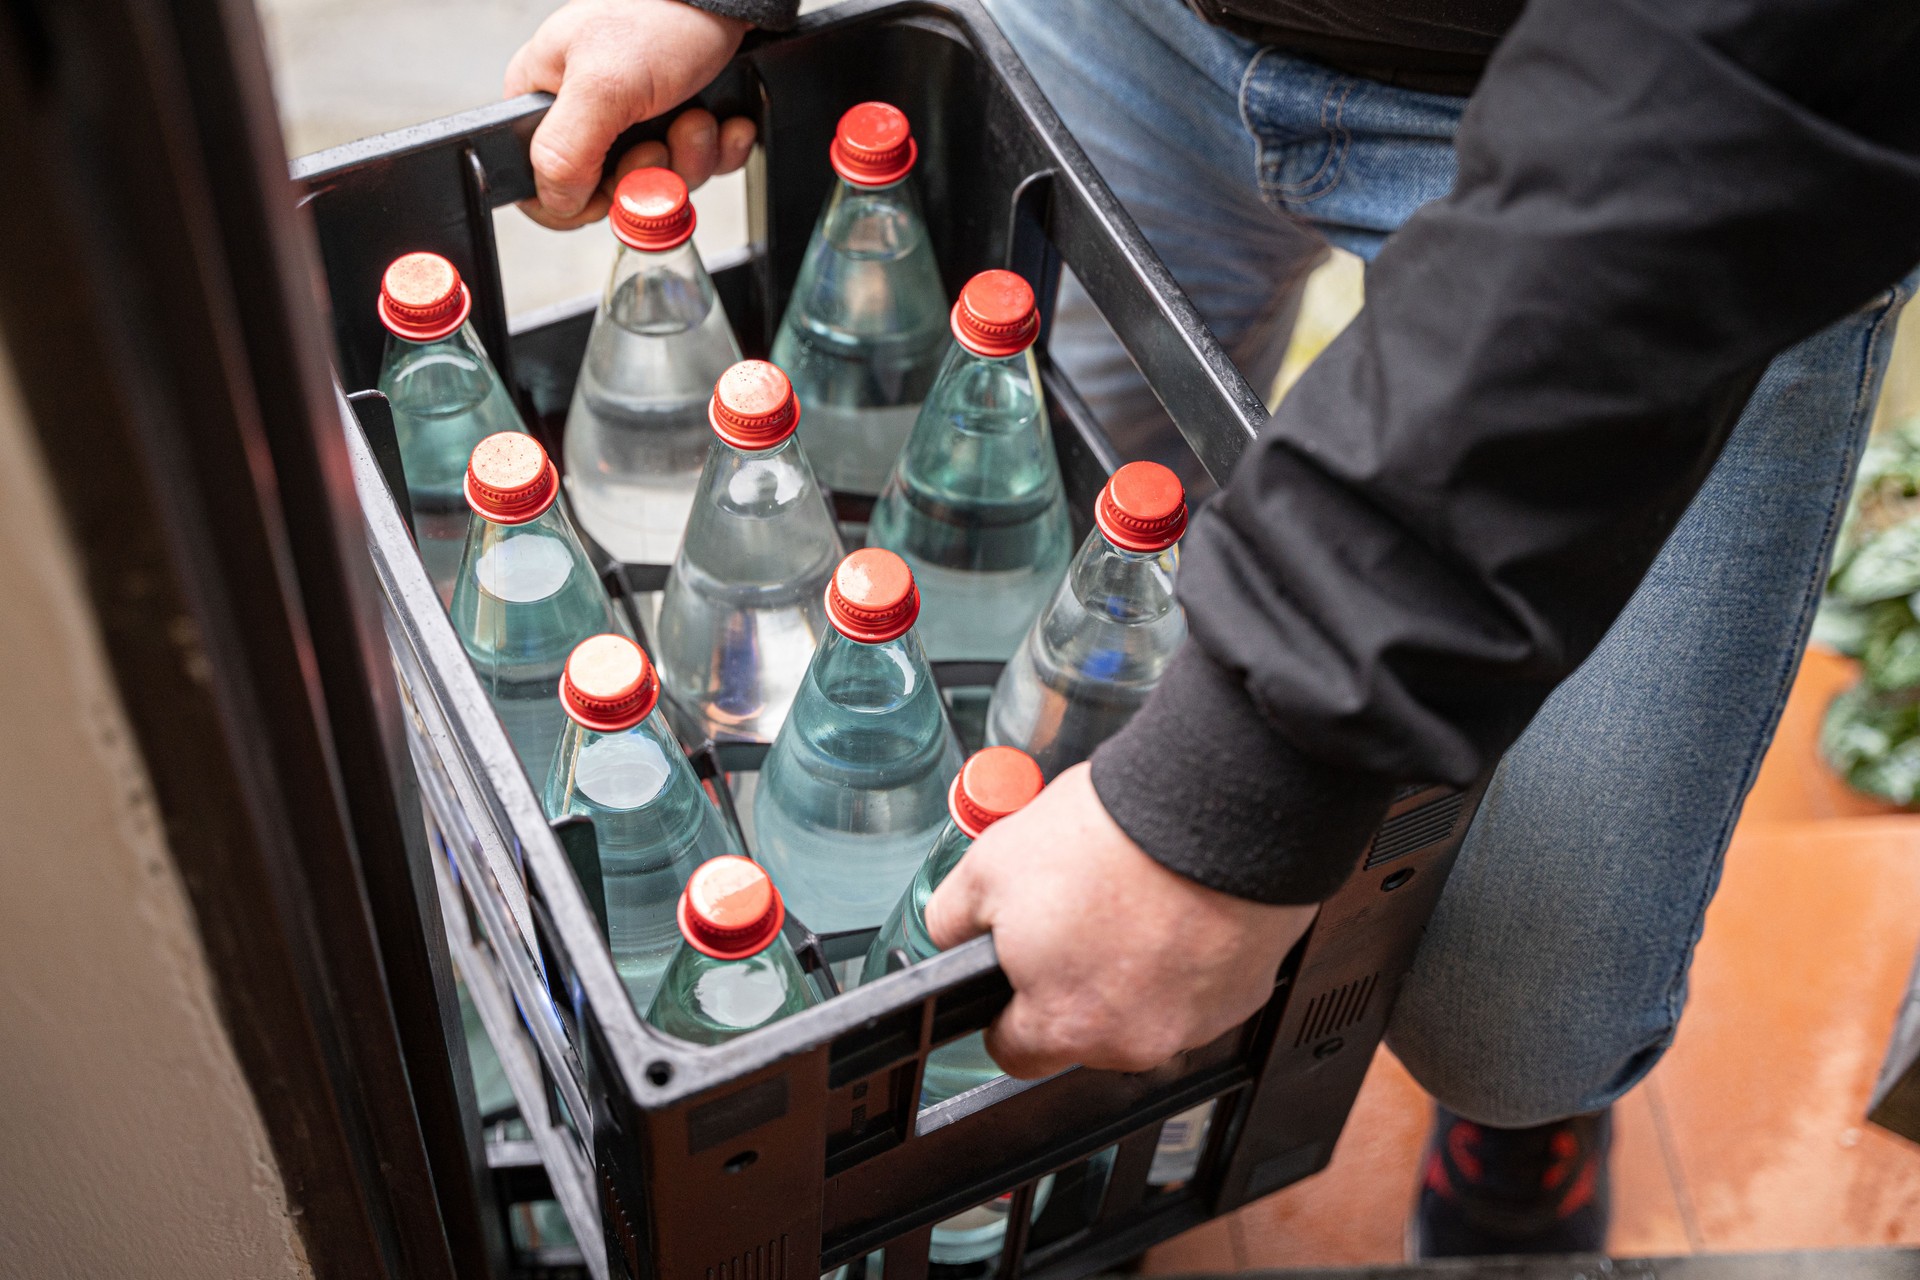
[446,398]
[863,334]
[976,507]
[743,610]
[1092,658]
[637,431]
[524,598]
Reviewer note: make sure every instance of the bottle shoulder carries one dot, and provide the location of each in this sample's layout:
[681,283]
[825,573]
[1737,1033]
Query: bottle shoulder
[541,565]
[875,223]
[446,378]
[660,294]
[710,1001]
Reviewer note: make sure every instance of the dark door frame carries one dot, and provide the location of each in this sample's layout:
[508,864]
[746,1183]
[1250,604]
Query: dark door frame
[157,301]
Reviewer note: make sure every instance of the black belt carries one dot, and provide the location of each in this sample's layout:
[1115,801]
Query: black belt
[1422,70]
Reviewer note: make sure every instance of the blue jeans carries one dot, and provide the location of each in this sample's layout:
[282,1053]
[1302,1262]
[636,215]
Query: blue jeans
[1555,969]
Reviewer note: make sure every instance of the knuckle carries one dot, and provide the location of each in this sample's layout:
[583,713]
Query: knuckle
[553,157]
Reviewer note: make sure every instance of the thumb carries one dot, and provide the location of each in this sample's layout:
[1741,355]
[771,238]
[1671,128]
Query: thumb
[957,910]
[570,147]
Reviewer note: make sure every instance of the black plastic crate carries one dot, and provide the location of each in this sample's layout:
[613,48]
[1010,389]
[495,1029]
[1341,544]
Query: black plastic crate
[800,1147]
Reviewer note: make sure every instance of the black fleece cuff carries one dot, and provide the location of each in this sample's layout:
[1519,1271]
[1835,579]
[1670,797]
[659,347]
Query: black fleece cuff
[1201,781]
[774,15]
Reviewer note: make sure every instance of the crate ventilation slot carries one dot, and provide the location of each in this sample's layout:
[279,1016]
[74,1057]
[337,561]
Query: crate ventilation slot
[1336,1010]
[1415,829]
[765,1262]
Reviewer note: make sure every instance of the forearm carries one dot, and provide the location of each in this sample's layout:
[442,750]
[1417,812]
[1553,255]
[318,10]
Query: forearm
[1458,498]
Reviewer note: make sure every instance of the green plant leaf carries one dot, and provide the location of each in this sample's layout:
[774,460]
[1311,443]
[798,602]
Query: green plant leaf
[1840,626]
[1884,567]
[1873,742]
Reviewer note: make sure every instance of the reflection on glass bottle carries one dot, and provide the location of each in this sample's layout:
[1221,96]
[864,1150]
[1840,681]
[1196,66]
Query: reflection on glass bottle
[735,971]
[619,764]
[744,606]
[1105,639]
[637,431]
[975,504]
[525,594]
[866,325]
[446,398]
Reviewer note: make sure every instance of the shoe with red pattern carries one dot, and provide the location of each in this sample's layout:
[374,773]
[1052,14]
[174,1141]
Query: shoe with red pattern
[1487,1191]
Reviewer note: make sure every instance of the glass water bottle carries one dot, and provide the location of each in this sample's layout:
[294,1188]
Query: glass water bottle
[446,396]
[734,971]
[525,594]
[744,606]
[1106,638]
[866,325]
[637,430]
[620,765]
[975,504]
[855,788]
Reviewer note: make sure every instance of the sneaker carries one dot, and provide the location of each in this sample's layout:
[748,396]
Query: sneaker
[1486,1191]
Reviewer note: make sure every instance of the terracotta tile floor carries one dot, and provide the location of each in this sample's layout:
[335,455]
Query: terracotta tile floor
[1749,1135]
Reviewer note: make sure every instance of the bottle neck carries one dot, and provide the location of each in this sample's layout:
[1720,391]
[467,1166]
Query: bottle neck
[710,1001]
[631,773]
[443,376]
[989,395]
[759,481]
[1128,587]
[525,563]
[874,222]
[951,845]
[658,293]
[870,678]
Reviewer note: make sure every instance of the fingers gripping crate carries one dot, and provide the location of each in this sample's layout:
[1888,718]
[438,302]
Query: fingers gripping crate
[801,1147]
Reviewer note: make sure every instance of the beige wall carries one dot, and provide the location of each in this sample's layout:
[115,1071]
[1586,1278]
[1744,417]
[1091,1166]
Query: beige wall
[130,1145]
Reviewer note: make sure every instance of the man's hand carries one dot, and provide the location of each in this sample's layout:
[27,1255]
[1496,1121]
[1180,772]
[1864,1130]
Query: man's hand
[610,64]
[1115,961]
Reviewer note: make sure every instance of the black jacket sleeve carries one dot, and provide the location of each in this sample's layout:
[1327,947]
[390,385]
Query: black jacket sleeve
[774,15]
[1453,504]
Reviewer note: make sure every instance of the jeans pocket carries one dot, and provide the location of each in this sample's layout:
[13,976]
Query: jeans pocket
[1298,128]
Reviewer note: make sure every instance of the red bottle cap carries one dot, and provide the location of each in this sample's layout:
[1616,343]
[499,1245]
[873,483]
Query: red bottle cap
[422,298]
[730,909]
[753,406]
[608,684]
[1143,508]
[510,480]
[994,782]
[872,598]
[652,210]
[996,315]
[873,146]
